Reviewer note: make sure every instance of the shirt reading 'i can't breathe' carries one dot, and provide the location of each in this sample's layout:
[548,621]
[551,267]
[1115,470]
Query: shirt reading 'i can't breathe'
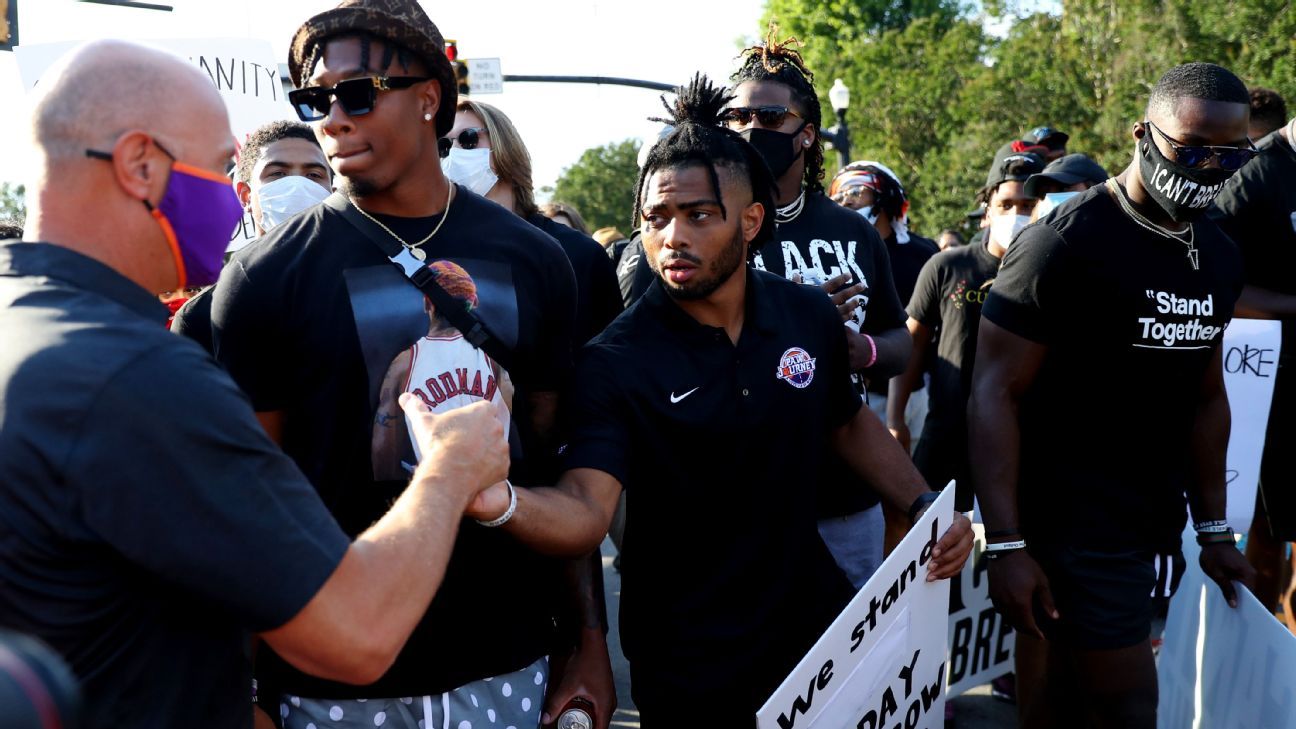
[1131,328]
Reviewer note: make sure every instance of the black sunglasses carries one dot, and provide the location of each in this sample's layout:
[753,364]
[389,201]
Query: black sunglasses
[1230,158]
[768,116]
[468,139]
[357,95]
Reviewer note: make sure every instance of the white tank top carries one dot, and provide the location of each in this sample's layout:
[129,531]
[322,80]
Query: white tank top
[448,373]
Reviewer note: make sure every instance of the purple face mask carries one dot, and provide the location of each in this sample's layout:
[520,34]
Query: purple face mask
[198,212]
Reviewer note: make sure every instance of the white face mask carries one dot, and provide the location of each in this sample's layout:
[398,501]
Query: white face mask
[869,215]
[287,196]
[1004,227]
[1050,201]
[470,168]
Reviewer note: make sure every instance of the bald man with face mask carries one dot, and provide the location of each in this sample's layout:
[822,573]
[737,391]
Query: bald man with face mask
[147,523]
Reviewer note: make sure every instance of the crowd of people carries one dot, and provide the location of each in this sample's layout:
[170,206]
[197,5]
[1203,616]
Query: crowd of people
[363,479]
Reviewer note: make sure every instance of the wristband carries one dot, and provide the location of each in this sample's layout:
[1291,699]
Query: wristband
[508,513]
[995,551]
[1002,533]
[872,349]
[1225,537]
[920,503]
[1217,526]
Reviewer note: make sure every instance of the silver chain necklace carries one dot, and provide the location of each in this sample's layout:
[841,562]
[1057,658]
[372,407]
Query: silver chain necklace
[790,212]
[1119,193]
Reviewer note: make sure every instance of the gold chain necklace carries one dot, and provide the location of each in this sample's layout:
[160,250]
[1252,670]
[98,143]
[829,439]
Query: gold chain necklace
[414,248]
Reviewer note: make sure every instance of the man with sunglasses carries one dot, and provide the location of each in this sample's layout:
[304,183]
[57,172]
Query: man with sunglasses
[1118,297]
[818,242]
[308,319]
[1258,210]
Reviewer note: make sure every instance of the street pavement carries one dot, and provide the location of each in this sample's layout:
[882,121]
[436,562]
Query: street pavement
[976,709]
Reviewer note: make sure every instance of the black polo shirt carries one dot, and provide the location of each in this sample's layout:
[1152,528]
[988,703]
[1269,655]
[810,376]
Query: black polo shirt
[726,581]
[146,521]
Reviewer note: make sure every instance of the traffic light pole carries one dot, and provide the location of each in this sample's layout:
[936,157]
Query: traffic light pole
[605,80]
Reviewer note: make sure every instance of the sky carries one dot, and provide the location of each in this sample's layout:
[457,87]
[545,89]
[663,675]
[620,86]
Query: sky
[655,40]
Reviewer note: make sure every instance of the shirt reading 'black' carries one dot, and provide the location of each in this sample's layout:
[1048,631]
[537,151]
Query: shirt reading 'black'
[721,450]
[147,524]
[1130,329]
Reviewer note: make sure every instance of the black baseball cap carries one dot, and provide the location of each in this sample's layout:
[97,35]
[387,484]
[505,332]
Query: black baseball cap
[1013,164]
[1048,137]
[1068,170]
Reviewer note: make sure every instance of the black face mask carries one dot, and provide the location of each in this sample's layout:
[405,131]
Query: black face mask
[1184,193]
[774,147]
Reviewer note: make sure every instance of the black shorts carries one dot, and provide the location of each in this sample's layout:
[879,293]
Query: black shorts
[1105,600]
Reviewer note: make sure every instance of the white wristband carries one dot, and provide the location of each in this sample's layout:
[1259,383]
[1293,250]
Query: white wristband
[1006,546]
[508,513]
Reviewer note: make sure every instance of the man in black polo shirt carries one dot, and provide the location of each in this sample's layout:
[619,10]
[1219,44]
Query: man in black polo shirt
[726,581]
[308,319]
[816,241]
[1119,298]
[147,524]
[1257,208]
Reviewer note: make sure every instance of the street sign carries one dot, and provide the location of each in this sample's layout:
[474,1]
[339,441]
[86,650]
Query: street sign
[486,76]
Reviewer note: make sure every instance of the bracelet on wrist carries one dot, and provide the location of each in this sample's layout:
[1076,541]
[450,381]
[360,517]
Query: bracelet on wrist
[1218,526]
[508,513]
[873,351]
[1225,537]
[998,549]
[920,503]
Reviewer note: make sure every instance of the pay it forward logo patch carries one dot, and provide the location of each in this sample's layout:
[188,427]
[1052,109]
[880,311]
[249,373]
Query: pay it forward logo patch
[796,367]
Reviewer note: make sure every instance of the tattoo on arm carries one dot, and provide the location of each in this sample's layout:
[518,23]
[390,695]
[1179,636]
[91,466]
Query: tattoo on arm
[384,420]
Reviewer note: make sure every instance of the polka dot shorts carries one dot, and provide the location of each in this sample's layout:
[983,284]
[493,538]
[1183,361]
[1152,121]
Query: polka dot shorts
[510,701]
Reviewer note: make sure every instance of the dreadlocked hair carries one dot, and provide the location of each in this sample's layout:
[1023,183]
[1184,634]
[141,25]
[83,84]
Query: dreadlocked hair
[391,51]
[700,138]
[778,61]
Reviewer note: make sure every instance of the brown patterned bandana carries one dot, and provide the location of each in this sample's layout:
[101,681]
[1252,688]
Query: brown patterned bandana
[401,22]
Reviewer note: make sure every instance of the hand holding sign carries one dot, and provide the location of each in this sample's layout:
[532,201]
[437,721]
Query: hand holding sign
[952,550]
[1223,563]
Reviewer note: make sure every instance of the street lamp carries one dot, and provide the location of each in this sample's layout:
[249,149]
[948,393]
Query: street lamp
[838,136]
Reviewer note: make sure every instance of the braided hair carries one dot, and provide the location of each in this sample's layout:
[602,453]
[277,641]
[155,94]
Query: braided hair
[778,61]
[700,138]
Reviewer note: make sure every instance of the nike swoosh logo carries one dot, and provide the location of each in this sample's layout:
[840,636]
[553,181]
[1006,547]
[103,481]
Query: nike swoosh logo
[681,397]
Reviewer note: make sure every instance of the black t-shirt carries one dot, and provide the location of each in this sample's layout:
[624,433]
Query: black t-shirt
[727,582]
[907,260]
[598,299]
[1130,329]
[147,523]
[947,299]
[1257,209]
[824,241]
[308,319]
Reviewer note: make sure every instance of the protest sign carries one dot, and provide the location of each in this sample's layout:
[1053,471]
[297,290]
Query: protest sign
[980,640]
[1223,666]
[882,661]
[1251,348]
[243,70]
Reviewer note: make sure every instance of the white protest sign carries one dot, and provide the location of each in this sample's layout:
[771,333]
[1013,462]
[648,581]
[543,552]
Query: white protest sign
[243,70]
[882,661]
[484,76]
[980,641]
[1223,666]
[1251,348]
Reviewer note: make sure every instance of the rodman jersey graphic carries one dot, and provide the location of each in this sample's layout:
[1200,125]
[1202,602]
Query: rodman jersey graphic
[444,371]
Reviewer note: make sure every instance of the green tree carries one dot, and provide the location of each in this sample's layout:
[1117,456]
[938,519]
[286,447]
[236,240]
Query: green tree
[12,201]
[601,184]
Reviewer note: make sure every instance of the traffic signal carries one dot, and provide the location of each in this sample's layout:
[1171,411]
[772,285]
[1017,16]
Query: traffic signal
[8,24]
[459,68]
